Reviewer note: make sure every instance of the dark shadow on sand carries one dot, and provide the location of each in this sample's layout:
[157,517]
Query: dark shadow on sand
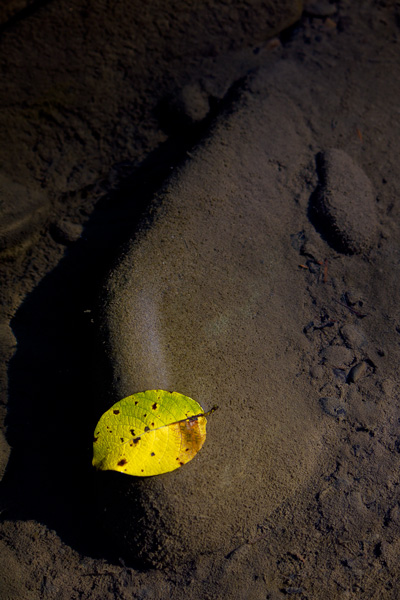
[59,382]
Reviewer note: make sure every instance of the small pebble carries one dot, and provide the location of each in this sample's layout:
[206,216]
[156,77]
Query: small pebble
[190,105]
[66,232]
[357,372]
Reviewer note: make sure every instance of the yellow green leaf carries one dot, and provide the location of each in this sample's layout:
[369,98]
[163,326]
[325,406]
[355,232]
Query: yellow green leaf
[149,433]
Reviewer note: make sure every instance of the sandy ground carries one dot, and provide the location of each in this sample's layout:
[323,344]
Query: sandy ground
[259,269]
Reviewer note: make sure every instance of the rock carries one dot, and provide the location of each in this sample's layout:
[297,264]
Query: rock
[194,102]
[359,370]
[189,105]
[66,232]
[343,207]
[195,305]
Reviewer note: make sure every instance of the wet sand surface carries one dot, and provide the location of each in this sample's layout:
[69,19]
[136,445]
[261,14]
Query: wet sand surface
[249,259]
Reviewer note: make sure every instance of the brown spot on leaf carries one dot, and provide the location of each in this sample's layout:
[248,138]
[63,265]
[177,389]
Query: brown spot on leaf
[181,463]
[177,458]
[132,432]
[154,406]
[122,462]
[152,424]
[152,454]
[116,412]
[95,439]
[136,402]
[142,470]
[147,428]
[122,440]
[136,440]
[192,432]
[145,415]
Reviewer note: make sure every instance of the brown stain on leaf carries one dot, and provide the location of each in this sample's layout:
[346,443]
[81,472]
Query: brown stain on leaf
[95,440]
[116,412]
[147,428]
[132,432]
[154,407]
[122,462]
[192,432]
[152,454]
